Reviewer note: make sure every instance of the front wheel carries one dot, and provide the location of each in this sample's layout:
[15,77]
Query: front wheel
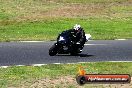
[53,50]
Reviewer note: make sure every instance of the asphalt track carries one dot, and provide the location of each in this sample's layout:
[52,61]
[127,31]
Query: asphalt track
[28,53]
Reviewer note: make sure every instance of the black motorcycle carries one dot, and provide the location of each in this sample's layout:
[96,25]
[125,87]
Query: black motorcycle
[65,45]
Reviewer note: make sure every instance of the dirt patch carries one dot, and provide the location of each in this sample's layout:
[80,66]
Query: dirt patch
[59,82]
[75,10]
[82,10]
[69,10]
[69,82]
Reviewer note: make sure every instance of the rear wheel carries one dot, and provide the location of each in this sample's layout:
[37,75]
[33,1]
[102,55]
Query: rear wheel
[53,50]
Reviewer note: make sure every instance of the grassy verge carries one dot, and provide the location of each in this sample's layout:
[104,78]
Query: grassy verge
[43,20]
[17,76]
[49,29]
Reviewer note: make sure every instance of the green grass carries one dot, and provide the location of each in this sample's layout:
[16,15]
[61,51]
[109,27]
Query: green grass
[49,29]
[44,20]
[14,76]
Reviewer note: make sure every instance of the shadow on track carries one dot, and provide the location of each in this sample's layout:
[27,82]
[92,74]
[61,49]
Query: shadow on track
[81,55]
[85,55]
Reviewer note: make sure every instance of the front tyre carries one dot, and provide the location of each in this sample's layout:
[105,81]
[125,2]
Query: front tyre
[53,50]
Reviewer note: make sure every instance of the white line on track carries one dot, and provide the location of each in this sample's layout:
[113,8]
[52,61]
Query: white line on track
[55,41]
[45,41]
[38,64]
[120,39]
[32,41]
[57,63]
[4,66]
[94,44]
[118,61]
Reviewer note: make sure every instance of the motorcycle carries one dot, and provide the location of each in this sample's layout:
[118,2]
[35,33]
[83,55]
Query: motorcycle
[64,45]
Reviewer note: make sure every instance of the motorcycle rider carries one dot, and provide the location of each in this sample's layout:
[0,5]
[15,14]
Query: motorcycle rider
[76,34]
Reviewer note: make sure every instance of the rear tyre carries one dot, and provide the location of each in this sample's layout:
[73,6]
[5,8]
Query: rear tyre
[53,50]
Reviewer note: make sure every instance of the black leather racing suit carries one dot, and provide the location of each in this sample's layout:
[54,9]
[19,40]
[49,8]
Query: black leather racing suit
[76,36]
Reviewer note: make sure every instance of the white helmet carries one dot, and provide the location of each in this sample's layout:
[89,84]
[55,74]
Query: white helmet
[77,27]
